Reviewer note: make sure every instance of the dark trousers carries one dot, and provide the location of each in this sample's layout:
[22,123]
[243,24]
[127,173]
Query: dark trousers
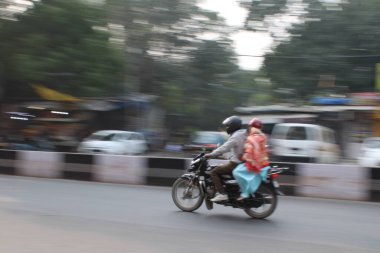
[221,170]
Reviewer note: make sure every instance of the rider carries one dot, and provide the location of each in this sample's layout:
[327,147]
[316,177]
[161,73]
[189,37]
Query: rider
[235,144]
[250,173]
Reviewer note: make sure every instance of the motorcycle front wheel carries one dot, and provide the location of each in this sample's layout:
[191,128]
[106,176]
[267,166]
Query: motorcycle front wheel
[187,195]
[268,198]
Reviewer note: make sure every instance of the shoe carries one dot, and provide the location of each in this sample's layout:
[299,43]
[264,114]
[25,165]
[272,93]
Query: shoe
[241,198]
[219,197]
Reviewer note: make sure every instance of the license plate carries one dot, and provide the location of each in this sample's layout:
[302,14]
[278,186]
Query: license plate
[276,184]
[201,178]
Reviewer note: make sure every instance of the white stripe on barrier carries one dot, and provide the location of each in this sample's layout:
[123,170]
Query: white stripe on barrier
[39,164]
[333,181]
[120,169]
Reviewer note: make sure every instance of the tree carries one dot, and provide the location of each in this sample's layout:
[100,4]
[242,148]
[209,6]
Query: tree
[342,44]
[207,91]
[271,15]
[61,44]
[212,84]
[168,54]
[159,31]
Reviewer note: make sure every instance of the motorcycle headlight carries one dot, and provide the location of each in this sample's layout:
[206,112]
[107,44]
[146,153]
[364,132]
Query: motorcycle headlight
[194,165]
[194,162]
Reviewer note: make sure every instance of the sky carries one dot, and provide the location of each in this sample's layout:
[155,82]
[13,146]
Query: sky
[245,43]
[258,43]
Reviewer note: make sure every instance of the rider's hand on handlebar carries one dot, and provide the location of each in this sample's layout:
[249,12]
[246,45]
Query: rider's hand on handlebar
[207,156]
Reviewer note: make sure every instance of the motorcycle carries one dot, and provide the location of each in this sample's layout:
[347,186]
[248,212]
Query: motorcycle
[196,186]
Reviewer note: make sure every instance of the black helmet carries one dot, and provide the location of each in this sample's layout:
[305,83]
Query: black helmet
[232,124]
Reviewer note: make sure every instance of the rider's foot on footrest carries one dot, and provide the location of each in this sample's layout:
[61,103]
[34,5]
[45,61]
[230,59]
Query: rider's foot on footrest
[241,198]
[219,197]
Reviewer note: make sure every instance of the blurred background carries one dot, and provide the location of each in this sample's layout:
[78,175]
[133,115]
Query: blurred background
[169,71]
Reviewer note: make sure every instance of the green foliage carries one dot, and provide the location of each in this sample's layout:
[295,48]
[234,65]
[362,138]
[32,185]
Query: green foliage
[343,44]
[162,50]
[211,59]
[258,10]
[262,94]
[58,44]
[263,15]
[167,57]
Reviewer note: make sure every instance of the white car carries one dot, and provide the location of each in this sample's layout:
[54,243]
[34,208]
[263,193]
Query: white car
[370,153]
[114,142]
[296,142]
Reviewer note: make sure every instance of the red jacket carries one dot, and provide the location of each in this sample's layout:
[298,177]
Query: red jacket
[255,151]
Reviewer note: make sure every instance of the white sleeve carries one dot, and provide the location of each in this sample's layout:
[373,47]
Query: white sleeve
[227,146]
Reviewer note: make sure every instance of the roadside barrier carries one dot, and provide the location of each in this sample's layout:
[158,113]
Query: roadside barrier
[39,164]
[8,160]
[333,181]
[78,166]
[120,169]
[164,171]
[301,179]
[374,191]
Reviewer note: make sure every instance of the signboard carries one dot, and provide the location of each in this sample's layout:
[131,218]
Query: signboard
[365,98]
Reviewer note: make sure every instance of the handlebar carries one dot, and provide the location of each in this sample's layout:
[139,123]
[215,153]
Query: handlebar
[198,156]
[276,170]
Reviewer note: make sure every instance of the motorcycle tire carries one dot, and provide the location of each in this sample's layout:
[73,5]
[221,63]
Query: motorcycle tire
[268,196]
[188,200]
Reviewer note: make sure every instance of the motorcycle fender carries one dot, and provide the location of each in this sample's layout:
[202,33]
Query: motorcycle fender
[187,176]
[203,188]
[276,188]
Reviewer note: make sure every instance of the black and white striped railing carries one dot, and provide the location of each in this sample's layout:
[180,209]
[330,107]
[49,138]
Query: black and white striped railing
[301,179]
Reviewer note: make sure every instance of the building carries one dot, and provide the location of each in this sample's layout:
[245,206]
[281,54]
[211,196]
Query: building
[357,119]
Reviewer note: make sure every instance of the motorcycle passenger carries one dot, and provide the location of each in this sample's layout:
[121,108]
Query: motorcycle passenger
[235,145]
[250,173]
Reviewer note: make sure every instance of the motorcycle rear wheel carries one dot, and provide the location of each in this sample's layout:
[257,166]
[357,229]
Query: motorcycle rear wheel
[186,195]
[269,197]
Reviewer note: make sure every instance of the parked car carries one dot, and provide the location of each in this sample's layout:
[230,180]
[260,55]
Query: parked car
[205,140]
[370,153]
[114,142]
[296,142]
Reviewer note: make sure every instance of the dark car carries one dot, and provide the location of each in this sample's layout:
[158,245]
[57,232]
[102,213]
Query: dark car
[205,141]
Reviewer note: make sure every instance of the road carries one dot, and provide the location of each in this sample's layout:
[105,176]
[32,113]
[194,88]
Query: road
[48,215]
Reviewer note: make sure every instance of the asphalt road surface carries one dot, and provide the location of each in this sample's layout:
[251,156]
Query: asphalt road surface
[54,216]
